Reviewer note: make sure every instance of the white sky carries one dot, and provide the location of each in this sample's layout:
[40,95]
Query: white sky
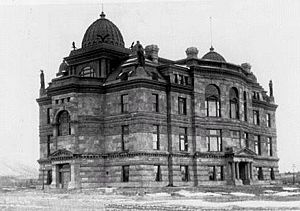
[36,35]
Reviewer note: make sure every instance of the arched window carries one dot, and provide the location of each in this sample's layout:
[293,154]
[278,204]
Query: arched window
[234,103]
[212,101]
[87,72]
[64,126]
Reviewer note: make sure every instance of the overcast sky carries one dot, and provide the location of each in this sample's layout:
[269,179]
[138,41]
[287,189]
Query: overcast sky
[37,35]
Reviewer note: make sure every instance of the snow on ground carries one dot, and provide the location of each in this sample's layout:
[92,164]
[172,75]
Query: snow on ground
[241,194]
[285,193]
[269,191]
[290,188]
[190,198]
[196,194]
[158,194]
[241,204]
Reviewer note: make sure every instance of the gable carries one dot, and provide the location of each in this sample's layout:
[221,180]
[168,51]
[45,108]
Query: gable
[62,153]
[245,152]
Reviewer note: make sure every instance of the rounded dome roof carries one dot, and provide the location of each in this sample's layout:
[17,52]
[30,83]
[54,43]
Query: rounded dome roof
[63,67]
[102,31]
[213,56]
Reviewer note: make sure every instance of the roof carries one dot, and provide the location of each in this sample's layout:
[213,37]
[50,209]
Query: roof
[213,56]
[102,31]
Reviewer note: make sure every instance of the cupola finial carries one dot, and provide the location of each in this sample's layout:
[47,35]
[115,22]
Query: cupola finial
[102,15]
[211,45]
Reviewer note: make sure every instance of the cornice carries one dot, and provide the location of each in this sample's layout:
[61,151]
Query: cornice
[263,104]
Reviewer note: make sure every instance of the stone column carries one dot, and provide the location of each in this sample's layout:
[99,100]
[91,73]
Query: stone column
[74,176]
[54,176]
[232,170]
[237,170]
[247,171]
[108,67]
[250,170]
[103,68]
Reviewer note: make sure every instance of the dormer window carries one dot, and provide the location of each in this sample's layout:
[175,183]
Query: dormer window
[87,72]
[181,79]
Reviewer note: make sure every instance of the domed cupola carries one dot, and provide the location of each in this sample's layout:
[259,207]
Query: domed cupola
[102,31]
[213,56]
[63,68]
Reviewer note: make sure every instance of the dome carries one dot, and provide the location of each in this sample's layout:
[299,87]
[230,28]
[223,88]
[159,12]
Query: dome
[213,56]
[102,31]
[63,68]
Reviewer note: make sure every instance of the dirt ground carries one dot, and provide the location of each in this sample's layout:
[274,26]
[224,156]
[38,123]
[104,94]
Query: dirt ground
[173,198]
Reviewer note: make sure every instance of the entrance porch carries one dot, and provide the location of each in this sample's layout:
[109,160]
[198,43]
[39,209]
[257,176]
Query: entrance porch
[240,166]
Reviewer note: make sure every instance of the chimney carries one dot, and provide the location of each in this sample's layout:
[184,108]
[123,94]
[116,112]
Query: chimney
[152,52]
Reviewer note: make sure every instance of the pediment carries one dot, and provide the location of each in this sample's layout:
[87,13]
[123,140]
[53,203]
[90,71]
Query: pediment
[245,152]
[62,153]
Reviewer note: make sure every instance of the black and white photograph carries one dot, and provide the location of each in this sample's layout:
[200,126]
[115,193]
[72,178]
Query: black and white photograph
[149,105]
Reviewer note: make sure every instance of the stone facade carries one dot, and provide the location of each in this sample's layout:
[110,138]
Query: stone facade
[110,120]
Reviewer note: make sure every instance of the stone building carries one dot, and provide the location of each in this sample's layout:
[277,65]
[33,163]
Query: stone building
[117,116]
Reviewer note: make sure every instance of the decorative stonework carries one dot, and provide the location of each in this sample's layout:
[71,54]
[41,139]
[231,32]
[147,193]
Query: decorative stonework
[130,104]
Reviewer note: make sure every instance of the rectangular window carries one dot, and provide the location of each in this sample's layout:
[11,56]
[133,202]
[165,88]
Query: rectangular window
[245,140]
[184,173]
[183,141]
[176,78]
[236,137]
[211,173]
[124,103]
[245,106]
[268,120]
[125,136]
[125,173]
[269,146]
[181,105]
[255,117]
[272,175]
[48,115]
[257,147]
[48,145]
[186,80]
[155,137]
[212,108]
[260,175]
[157,171]
[256,95]
[181,79]
[234,110]
[214,141]
[155,104]
[215,173]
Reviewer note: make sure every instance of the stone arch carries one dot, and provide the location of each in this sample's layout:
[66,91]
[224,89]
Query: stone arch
[63,123]
[212,100]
